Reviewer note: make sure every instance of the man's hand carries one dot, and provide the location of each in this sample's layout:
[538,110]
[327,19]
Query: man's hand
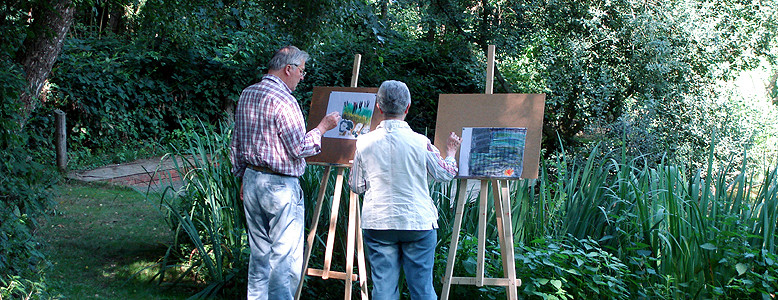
[452,145]
[328,122]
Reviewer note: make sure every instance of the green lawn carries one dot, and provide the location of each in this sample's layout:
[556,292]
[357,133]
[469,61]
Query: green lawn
[104,242]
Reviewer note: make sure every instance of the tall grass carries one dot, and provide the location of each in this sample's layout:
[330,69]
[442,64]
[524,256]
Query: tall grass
[683,233]
[676,219]
[206,213]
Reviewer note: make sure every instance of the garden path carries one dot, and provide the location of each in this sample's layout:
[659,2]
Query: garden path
[156,173]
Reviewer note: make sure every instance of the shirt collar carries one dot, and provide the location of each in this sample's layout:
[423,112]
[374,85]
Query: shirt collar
[277,80]
[390,125]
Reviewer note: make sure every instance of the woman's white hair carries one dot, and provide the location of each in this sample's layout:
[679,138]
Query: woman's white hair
[393,97]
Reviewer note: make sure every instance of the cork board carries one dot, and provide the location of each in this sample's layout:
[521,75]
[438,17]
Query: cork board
[335,151]
[456,112]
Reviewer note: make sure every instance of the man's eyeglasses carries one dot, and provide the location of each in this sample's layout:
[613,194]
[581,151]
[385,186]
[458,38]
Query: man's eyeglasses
[302,72]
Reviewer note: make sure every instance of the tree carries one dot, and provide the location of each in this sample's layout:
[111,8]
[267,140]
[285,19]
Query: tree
[48,23]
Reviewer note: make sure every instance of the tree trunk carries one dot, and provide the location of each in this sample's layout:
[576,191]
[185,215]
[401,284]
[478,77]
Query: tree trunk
[772,87]
[384,4]
[50,23]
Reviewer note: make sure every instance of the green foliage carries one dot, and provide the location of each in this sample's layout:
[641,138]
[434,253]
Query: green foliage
[119,91]
[21,262]
[24,195]
[667,224]
[611,71]
[571,269]
[15,26]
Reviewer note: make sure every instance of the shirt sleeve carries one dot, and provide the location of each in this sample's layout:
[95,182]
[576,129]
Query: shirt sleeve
[440,169]
[291,130]
[356,180]
[238,166]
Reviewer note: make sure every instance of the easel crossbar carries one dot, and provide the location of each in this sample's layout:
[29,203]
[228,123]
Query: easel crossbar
[487,281]
[331,274]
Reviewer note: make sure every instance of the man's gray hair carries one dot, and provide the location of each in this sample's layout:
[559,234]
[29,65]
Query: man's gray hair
[393,97]
[289,55]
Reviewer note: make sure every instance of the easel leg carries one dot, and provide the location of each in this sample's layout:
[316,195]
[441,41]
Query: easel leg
[333,223]
[361,266]
[498,212]
[354,236]
[312,233]
[479,273]
[350,237]
[509,263]
[452,248]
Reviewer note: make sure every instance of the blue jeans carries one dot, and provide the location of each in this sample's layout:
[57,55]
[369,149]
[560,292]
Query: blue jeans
[275,214]
[413,250]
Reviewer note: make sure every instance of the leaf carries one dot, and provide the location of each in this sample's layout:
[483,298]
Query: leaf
[470,265]
[556,283]
[741,268]
[643,252]
[708,246]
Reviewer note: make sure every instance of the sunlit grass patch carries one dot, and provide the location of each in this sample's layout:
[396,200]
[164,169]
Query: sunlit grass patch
[106,242]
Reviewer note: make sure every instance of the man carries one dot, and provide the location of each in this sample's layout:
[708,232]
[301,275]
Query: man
[399,220]
[268,149]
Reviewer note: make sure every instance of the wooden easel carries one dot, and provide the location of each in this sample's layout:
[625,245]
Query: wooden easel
[354,233]
[502,207]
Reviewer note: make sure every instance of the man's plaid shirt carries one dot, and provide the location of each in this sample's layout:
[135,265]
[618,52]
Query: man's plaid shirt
[270,130]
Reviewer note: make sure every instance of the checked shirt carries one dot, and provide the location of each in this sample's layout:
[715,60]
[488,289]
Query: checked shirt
[270,130]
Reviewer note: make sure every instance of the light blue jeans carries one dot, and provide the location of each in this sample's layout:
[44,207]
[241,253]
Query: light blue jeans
[413,250]
[275,214]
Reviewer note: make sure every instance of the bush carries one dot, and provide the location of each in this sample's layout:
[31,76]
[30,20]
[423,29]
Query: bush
[571,269]
[24,195]
[134,91]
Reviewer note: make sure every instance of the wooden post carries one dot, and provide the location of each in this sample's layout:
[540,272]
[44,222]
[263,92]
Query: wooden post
[490,70]
[355,70]
[62,140]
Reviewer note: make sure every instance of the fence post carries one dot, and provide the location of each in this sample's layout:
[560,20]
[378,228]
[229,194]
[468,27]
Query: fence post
[62,138]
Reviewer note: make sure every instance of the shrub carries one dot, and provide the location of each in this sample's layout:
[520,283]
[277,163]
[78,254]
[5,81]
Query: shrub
[571,269]
[24,195]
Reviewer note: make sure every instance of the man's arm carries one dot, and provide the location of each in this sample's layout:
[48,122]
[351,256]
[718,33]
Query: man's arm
[292,132]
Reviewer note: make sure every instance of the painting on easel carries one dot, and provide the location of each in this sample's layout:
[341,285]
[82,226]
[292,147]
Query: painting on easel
[356,111]
[492,152]
[514,123]
[355,104]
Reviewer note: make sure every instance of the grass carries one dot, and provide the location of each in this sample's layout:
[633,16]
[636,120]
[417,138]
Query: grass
[104,242]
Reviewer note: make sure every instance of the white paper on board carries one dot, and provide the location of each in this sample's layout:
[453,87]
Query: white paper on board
[355,109]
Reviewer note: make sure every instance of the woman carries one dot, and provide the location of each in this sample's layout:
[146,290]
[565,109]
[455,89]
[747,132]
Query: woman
[399,219]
